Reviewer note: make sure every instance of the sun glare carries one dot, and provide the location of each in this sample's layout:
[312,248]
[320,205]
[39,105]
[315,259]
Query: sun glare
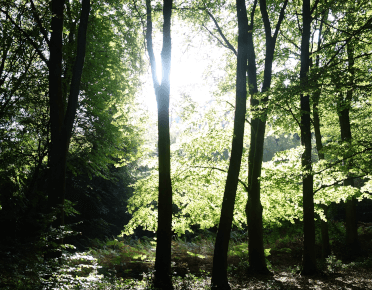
[189,65]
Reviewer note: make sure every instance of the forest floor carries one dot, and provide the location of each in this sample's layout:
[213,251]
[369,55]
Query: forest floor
[192,263]
[129,264]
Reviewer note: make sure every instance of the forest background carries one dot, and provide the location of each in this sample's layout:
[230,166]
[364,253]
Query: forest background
[78,142]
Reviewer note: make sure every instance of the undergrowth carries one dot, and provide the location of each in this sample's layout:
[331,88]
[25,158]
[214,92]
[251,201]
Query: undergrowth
[124,263]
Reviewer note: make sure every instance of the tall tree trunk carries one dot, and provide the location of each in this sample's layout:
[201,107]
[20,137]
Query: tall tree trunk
[57,155]
[62,120]
[351,222]
[308,263]
[326,248]
[164,232]
[219,272]
[256,252]
[344,118]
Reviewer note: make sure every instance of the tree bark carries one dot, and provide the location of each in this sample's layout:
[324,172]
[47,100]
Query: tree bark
[351,222]
[257,261]
[61,120]
[164,232]
[219,272]
[344,119]
[308,262]
[326,248]
[58,148]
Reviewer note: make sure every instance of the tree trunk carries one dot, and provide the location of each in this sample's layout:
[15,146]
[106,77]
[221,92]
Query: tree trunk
[308,263]
[257,261]
[219,272]
[58,147]
[326,248]
[351,222]
[163,279]
[61,121]
[344,118]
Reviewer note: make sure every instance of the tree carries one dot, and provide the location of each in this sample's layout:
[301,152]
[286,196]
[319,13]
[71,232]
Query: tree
[258,123]
[343,39]
[344,119]
[164,230]
[308,262]
[62,119]
[219,272]
[326,248]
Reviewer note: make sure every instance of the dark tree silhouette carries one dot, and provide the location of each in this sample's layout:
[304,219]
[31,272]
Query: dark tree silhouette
[308,262]
[256,252]
[61,118]
[219,272]
[164,232]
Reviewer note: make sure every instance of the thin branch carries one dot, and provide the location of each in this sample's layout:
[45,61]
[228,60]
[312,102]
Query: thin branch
[228,44]
[342,160]
[290,111]
[234,109]
[231,105]
[347,32]
[150,47]
[219,40]
[36,47]
[314,7]
[298,23]
[350,38]
[291,42]
[37,19]
[337,182]
[280,20]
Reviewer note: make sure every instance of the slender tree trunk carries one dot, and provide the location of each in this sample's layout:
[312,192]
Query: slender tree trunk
[326,249]
[62,120]
[308,263]
[344,118]
[256,252]
[164,233]
[351,222]
[219,272]
[253,207]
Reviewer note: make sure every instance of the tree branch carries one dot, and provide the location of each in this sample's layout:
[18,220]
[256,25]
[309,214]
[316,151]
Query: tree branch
[37,19]
[369,21]
[150,47]
[337,182]
[291,112]
[342,160]
[234,109]
[252,15]
[293,43]
[219,40]
[228,44]
[78,67]
[35,45]
[314,7]
[280,20]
